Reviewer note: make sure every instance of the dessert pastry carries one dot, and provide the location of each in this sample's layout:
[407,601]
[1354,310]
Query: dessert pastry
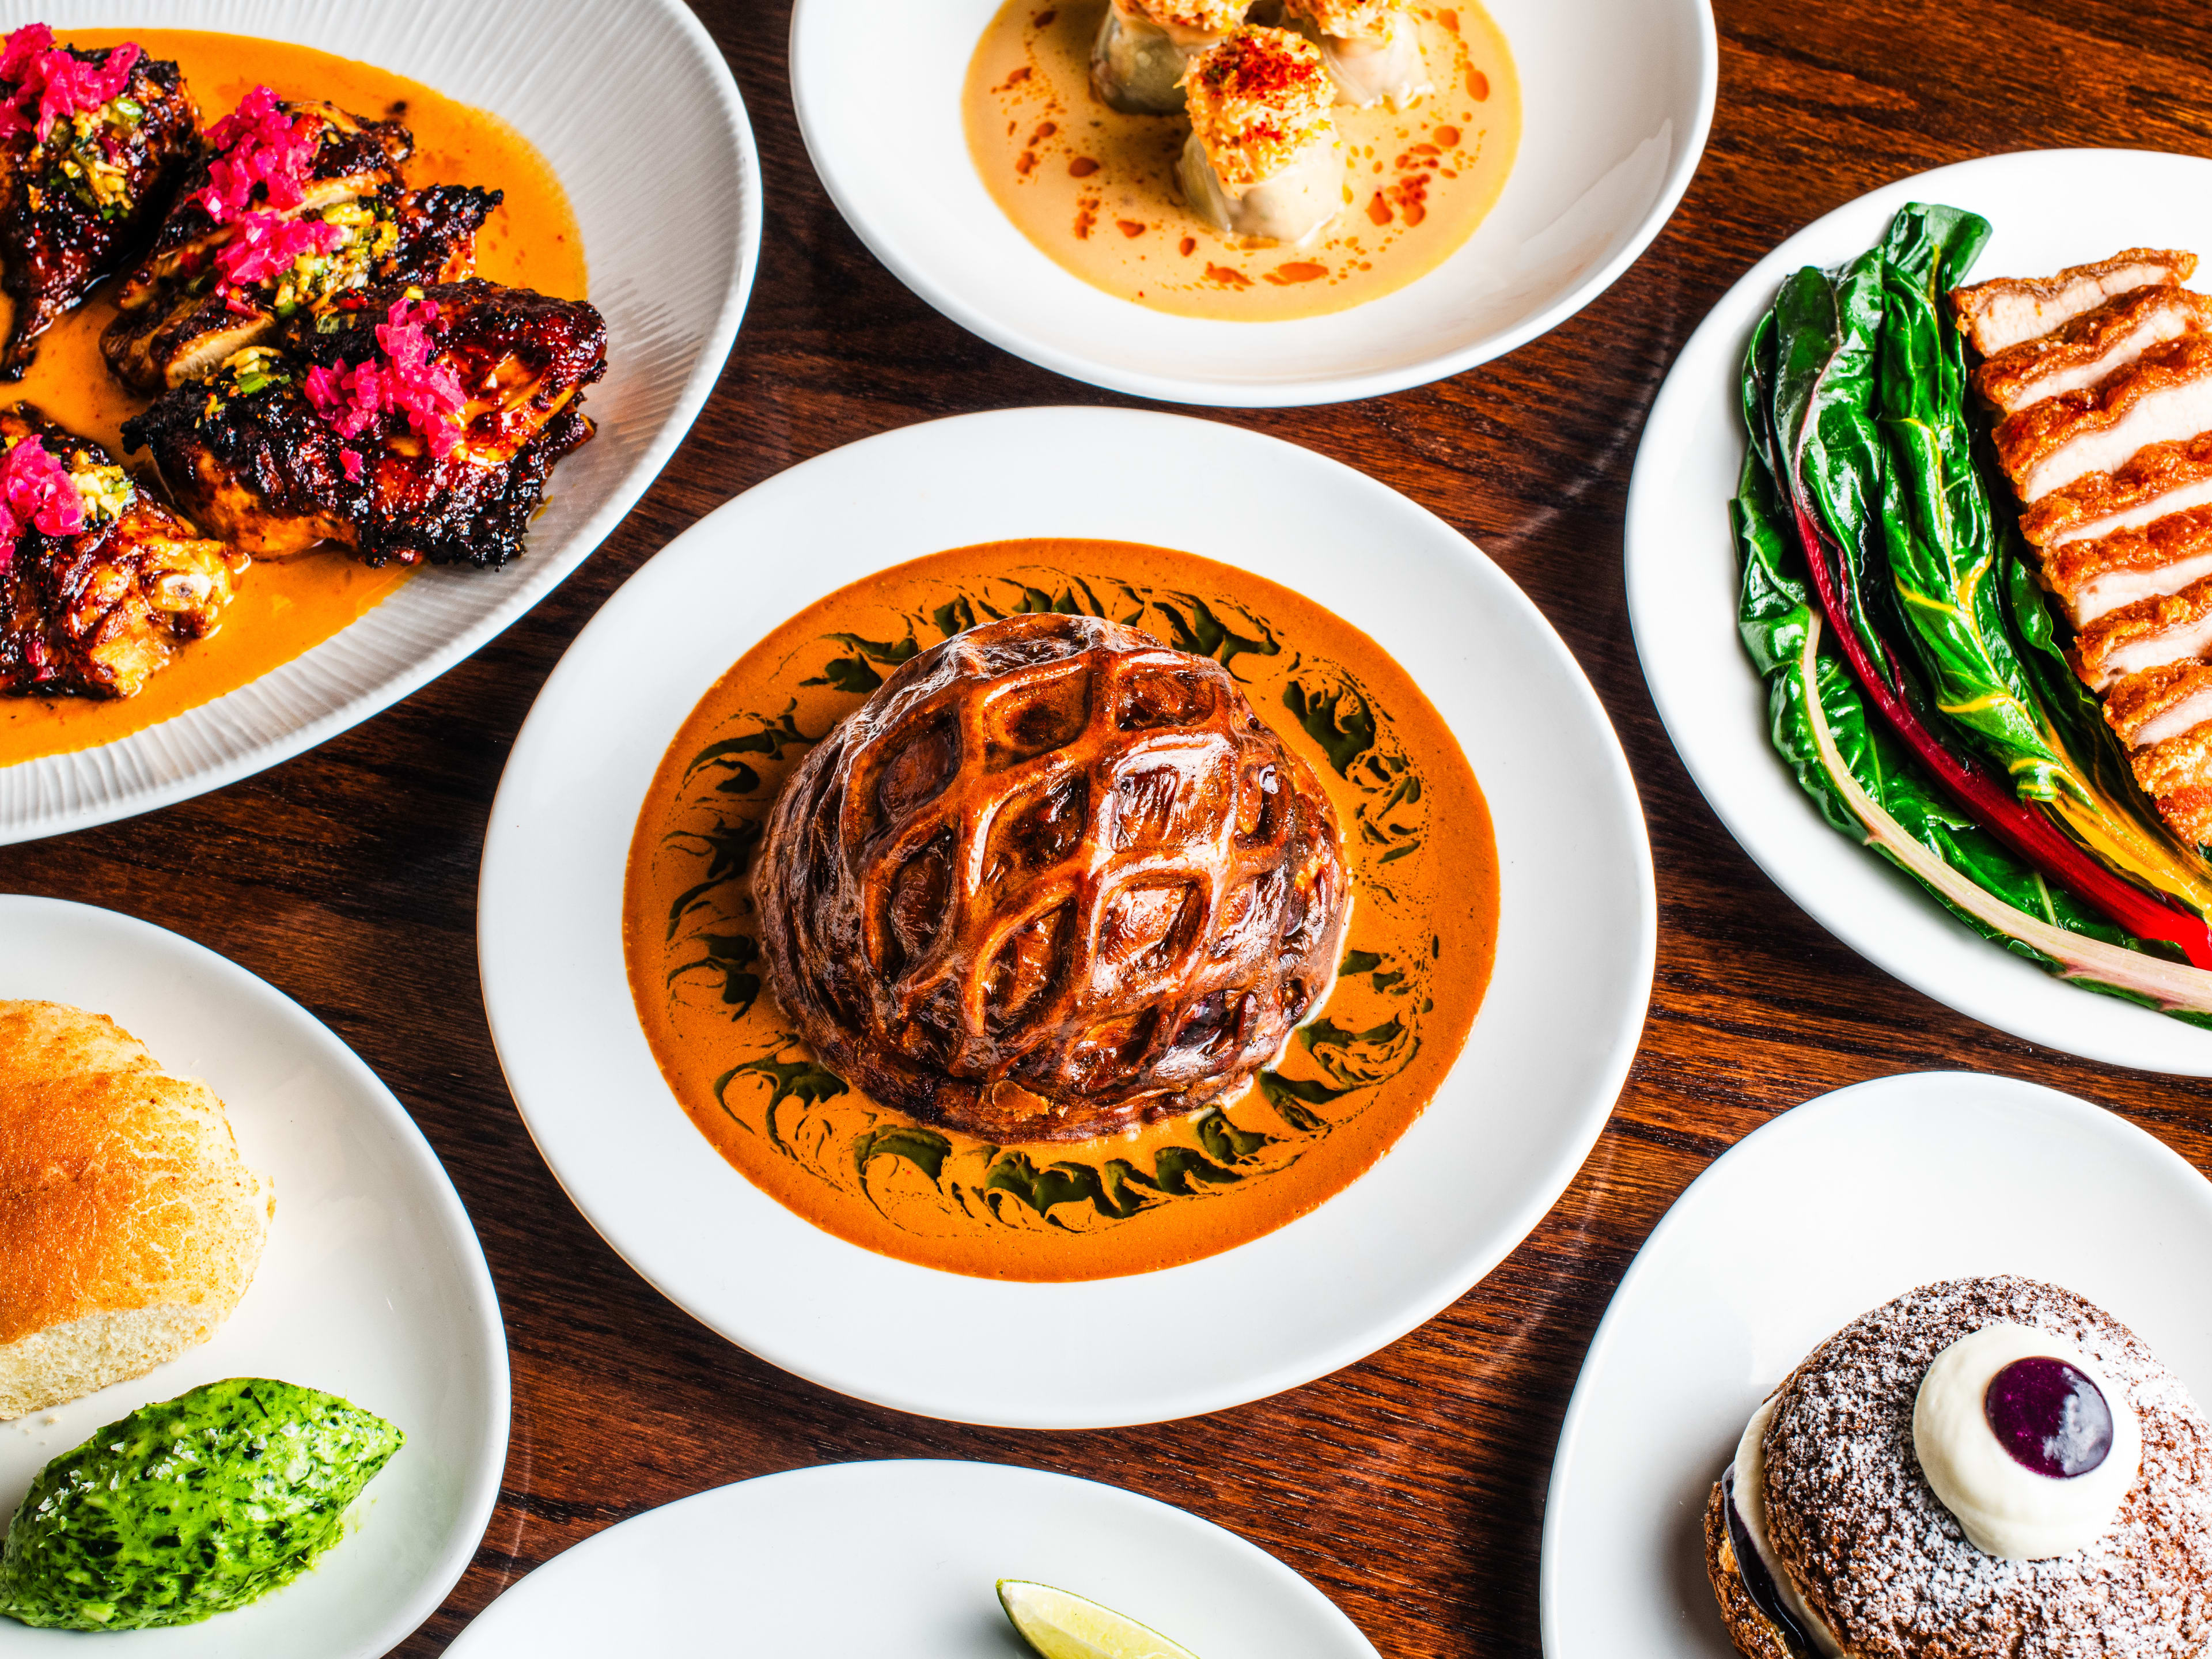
[1263,159]
[1051,880]
[1372,48]
[1145,45]
[1985,1467]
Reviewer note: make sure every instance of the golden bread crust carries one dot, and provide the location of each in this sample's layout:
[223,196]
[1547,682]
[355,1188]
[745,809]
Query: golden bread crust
[120,1186]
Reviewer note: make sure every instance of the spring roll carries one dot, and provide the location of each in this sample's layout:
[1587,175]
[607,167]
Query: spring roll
[1372,48]
[1145,45]
[1263,159]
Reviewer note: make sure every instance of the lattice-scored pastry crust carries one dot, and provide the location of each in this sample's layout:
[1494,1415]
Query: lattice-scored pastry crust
[1053,878]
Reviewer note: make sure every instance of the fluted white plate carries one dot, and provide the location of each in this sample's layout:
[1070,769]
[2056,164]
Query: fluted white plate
[372,1287]
[2049,208]
[1811,1220]
[1504,1136]
[900,1558]
[1617,97]
[632,104]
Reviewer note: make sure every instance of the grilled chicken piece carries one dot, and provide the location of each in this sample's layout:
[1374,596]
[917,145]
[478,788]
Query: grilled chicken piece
[94,614]
[2150,633]
[1998,315]
[2095,577]
[251,455]
[80,203]
[2164,395]
[181,327]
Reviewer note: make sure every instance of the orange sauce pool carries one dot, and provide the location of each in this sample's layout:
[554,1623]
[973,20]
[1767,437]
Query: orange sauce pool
[1424,869]
[285,608]
[1096,190]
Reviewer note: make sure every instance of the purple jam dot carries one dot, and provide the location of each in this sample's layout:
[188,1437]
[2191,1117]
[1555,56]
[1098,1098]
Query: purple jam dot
[2050,1416]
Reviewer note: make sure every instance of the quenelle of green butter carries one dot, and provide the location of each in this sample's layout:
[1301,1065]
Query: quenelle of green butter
[190,1508]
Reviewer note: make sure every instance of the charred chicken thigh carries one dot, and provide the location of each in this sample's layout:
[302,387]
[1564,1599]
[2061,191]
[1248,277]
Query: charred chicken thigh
[92,146]
[415,423]
[296,202]
[100,583]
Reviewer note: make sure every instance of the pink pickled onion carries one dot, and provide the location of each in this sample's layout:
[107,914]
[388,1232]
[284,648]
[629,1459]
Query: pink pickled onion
[51,81]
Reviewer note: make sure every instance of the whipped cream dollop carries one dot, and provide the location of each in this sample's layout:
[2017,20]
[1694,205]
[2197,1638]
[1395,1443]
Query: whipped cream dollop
[1747,1491]
[2026,1440]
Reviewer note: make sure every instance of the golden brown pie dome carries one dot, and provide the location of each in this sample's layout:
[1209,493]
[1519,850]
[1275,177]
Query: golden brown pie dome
[1052,879]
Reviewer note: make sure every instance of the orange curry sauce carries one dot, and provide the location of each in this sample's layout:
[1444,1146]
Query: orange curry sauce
[1423,870]
[287,607]
[1096,191]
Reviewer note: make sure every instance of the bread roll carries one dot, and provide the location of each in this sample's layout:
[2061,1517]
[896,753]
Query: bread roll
[129,1225]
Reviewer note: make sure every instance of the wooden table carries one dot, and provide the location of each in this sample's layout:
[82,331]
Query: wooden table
[1410,1487]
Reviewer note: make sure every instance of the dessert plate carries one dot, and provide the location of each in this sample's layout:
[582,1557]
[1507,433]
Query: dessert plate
[1824,1212]
[1617,96]
[631,102]
[824,1561]
[373,1286]
[1496,1146]
[2049,208]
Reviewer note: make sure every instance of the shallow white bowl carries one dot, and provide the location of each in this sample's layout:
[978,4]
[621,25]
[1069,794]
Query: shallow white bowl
[372,1287]
[1618,96]
[632,104]
[1815,1219]
[1505,1135]
[901,1558]
[2051,207]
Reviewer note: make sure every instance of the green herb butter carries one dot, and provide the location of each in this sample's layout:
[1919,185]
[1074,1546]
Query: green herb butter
[190,1508]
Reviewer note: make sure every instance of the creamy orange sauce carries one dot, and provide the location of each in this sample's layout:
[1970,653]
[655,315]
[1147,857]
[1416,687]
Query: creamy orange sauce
[1096,189]
[288,608]
[1424,870]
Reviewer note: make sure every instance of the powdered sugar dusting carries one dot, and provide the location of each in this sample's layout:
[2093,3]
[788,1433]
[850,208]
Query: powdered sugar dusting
[1854,1521]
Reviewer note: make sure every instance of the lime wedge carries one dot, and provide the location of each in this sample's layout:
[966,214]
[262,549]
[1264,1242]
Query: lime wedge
[1063,1626]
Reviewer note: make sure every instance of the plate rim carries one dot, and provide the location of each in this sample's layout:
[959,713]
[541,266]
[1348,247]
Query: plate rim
[698,387]
[1294,394]
[1515,1222]
[1290,1582]
[1989,997]
[484,1480]
[2093,1120]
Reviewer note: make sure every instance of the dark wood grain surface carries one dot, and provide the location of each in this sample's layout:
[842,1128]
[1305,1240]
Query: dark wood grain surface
[1410,1487]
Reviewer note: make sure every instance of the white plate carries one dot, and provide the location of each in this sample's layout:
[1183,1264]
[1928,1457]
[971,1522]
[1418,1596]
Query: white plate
[2051,207]
[1466,1184]
[372,1287]
[900,1558]
[1824,1213]
[1618,96]
[632,104]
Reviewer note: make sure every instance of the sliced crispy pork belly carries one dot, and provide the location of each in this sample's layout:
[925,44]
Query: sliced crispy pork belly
[2000,314]
[2093,346]
[2094,579]
[2164,716]
[2156,481]
[2164,394]
[2153,633]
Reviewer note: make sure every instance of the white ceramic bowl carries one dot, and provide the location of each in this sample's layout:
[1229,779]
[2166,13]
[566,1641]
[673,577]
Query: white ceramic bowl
[2051,207]
[825,1561]
[1815,1219]
[372,1287]
[632,104]
[1505,1134]
[1617,96]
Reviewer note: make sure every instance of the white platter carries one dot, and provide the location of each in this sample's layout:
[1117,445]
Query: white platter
[1819,1216]
[1617,96]
[2051,207]
[632,104]
[899,1558]
[1466,1184]
[372,1287]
